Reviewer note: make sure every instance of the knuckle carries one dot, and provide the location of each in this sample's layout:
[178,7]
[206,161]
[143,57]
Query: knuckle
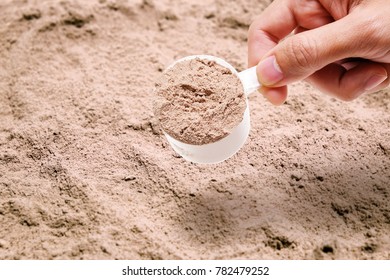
[254,31]
[371,29]
[372,33]
[302,51]
[251,30]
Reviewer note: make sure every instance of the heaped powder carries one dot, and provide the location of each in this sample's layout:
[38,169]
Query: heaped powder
[199,101]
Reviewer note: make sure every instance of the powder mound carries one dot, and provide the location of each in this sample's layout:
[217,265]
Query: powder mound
[199,101]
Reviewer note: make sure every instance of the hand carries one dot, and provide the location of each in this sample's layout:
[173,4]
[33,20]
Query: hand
[341,47]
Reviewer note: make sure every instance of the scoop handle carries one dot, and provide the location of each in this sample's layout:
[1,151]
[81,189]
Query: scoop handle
[249,80]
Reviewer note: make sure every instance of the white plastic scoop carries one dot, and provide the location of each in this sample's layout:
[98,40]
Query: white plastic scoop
[226,147]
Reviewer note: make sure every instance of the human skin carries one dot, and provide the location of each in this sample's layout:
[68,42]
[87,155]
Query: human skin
[341,47]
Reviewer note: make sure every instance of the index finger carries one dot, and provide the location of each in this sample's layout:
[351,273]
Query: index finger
[275,23]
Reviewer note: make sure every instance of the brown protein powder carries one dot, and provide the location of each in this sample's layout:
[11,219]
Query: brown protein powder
[199,101]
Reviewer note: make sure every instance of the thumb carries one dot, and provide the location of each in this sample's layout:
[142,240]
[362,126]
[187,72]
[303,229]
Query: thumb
[300,55]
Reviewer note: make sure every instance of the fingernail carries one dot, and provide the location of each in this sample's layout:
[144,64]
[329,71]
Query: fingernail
[374,81]
[269,71]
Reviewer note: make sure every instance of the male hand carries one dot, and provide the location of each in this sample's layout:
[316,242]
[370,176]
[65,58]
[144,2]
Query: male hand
[341,47]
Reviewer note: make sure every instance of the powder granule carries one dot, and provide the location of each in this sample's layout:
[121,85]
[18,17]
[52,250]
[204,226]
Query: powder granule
[199,101]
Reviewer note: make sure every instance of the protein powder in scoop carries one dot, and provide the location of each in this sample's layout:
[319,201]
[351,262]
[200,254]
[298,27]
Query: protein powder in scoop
[199,101]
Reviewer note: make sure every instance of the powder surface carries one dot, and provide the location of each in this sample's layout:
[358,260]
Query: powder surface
[85,172]
[199,101]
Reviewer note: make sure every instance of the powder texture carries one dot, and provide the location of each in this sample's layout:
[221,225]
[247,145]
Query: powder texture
[199,101]
[85,172]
